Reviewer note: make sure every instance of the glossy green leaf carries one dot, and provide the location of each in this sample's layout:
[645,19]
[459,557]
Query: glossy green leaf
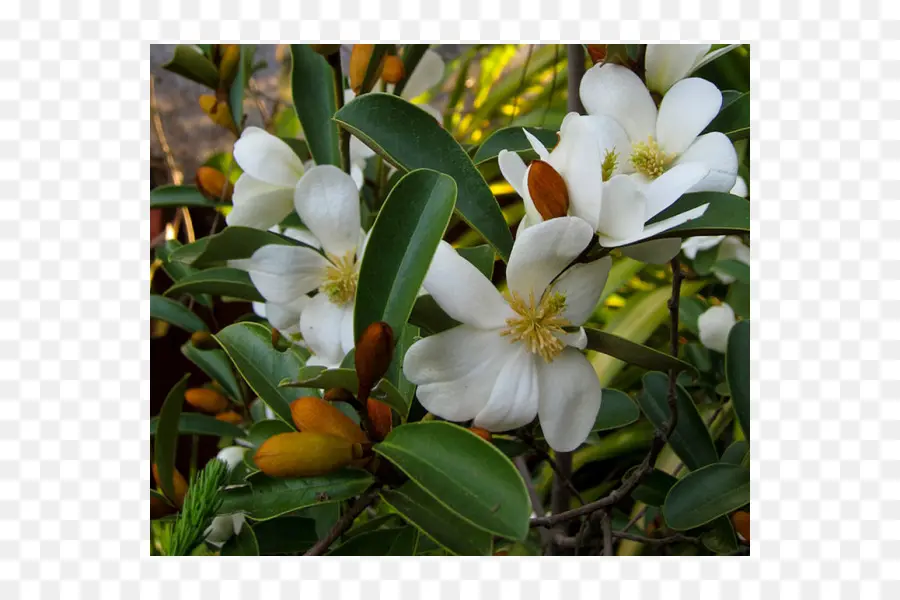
[481,256]
[616,410]
[394,374]
[689,310]
[263,430]
[736,269]
[510,447]
[721,537]
[735,453]
[215,363]
[242,544]
[733,119]
[177,271]
[409,138]
[398,541]
[176,313]
[315,100]
[319,377]
[711,56]
[236,93]
[221,281]
[428,316]
[269,497]
[633,353]
[387,521]
[432,518]
[233,242]
[738,298]
[199,424]
[172,196]
[726,214]
[464,473]
[737,370]
[706,494]
[249,345]
[653,488]
[690,440]
[514,140]
[167,436]
[379,51]
[285,535]
[401,243]
[188,61]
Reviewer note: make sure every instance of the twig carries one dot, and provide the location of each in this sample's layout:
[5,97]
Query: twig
[554,466]
[255,92]
[175,174]
[536,505]
[576,72]
[344,522]
[606,526]
[572,542]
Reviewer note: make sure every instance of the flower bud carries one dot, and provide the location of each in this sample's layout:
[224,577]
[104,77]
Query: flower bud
[482,433]
[381,418]
[229,416]
[597,52]
[359,64]
[325,49]
[232,456]
[305,454]
[179,485]
[548,190]
[338,395]
[206,400]
[203,340]
[218,112]
[318,416]
[741,521]
[213,184]
[231,55]
[374,350]
[393,69]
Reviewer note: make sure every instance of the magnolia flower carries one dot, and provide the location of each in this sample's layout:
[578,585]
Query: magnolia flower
[699,243]
[224,526]
[714,326]
[327,201]
[666,64]
[427,74]
[732,248]
[740,187]
[517,356]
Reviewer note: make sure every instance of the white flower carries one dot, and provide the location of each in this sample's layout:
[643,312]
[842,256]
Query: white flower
[224,526]
[714,326]
[732,248]
[232,456]
[427,74]
[512,359]
[264,193]
[693,245]
[740,187]
[666,64]
[327,201]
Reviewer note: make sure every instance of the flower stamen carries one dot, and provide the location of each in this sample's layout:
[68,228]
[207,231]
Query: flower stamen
[537,324]
[340,279]
[649,159]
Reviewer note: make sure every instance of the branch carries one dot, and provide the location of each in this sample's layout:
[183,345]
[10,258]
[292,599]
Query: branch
[344,523]
[572,542]
[606,526]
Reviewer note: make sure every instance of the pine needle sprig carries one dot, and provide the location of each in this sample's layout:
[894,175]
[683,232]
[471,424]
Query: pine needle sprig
[201,503]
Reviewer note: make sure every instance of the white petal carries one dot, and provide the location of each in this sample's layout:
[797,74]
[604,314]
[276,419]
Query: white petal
[232,456]
[685,111]
[259,308]
[577,339]
[531,211]
[281,273]
[716,152]
[524,224]
[267,158]
[577,158]
[536,145]
[569,400]
[328,203]
[514,399]
[611,137]
[668,63]
[542,252]
[582,285]
[220,530]
[284,317]
[321,326]
[740,187]
[258,204]
[663,191]
[427,74]
[356,173]
[698,243]
[513,169]
[616,92]
[714,326]
[622,212]
[654,252]
[301,235]
[463,292]
[456,370]
[347,329]
[733,248]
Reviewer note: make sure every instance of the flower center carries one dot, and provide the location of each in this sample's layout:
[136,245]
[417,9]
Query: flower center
[341,277]
[648,159]
[536,324]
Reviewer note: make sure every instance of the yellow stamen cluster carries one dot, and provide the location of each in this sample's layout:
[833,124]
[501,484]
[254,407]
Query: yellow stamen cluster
[648,159]
[537,324]
[610,161]
[341,278]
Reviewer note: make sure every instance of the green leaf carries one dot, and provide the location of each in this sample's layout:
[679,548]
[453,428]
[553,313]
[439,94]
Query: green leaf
[176,313]
[737,371]
[167,436]
[221,281]
[199,424]
[242,544]
[236,93]
[690,440]
[285,535]
[653,488]
[481,256]
[733,119]
[315,100]
[427,315]
[464,473]
[510,447]
[233,242]
[269,497]
[399,541]
[317,376]
[371,76]
[171,196]
[215,364]
[188,61]
[263,430]
[177,271]
[616,410]
[721,537]
[514,140]
[409,138]
[689,310]
[740,271]
[394,374]
[705,259]
[433,519]
[706,494]
[726,214]
[249,345]
[411,55]
[711,56]
[738,298]
[401,244]
[633,353]
[735,453]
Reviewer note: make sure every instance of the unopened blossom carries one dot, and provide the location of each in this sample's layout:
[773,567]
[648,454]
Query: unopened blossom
[224,526]
[516,356]
[666,64]
[714,326]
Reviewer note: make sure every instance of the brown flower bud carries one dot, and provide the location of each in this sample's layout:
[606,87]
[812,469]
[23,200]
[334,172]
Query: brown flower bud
[338,395]
[741,521]
[203,340]
[179,485]
[315,415]
[374,350]
[393,69]
[597,52]
[206,400]
[359,64]
[305,454]
[325,49]
[229,416]
[548,190]
[213,184]
[482,433]
[381,418]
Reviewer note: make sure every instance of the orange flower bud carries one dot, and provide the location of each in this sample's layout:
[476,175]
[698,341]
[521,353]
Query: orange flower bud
[305,454]
[213,184]
[318,416]
[337,395]
[393,69]
[359,64]
[203,340]
[482,433]
[381,418]
[741,521]
[597,52]
[548,190]
[229,416]
[325,49]
[179,485]
[206,400]
[218,112]
[374,350]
